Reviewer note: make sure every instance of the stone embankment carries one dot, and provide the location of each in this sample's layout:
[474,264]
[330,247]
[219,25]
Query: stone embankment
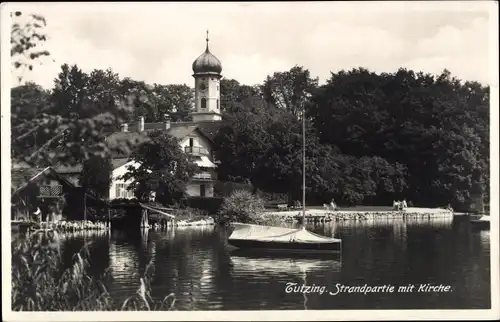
[322,215]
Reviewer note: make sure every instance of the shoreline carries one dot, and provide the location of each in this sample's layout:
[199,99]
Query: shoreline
[362,214]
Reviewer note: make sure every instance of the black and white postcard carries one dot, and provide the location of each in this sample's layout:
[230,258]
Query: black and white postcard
[250,161]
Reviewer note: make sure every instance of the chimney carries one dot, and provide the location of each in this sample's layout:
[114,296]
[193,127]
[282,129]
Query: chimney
[167,121]
[124,127]
[141,124]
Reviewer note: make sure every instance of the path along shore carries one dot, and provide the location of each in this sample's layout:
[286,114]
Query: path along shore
[361,214]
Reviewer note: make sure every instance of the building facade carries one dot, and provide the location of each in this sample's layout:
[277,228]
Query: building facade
[195,137]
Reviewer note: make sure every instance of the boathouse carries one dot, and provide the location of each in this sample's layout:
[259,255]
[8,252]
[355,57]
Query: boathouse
[42,188]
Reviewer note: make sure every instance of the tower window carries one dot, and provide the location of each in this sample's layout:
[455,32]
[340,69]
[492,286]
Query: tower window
[217,104]
[203,103]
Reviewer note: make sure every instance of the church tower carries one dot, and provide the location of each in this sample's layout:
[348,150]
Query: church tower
[207,74]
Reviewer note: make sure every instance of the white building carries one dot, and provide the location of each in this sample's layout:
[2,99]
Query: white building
[119,186]
[196,137]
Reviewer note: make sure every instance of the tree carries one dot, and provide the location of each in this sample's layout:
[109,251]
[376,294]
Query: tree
[27,101]
[163,169]
[240,142]
[232,92]
[288,90]
[154,101]
[26,38]
[264,146]
[83,109]
[417,120]
[140,97]
[175,99]
[96,176]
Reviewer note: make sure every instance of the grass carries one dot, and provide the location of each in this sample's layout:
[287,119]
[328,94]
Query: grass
[39,283]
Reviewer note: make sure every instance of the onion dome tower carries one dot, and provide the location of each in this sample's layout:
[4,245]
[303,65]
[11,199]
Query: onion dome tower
[207,74]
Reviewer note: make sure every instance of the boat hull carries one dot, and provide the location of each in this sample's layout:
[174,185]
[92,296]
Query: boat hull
[287,247]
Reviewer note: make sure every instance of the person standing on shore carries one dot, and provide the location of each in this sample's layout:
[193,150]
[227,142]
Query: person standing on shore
[333,204]
[38,215]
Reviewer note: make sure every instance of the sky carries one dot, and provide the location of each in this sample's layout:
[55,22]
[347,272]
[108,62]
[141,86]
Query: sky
[157,42]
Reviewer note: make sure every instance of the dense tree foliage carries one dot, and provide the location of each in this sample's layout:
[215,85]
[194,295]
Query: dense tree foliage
[264,146]
[49,126]
[436,126]
[232,92]
[96,176]
[80,111]
[154,101]
[288,90]
[163,169]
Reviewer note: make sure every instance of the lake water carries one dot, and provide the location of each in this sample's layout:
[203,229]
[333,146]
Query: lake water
[196,265]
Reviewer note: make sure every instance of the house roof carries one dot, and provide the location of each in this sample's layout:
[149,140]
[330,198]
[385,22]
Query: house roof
[21,177]
[65,169]
[210,128]
[118,162]
[178,130]
[118,141]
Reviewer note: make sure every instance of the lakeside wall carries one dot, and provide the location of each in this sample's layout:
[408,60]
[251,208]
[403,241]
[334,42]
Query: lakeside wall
[362,214]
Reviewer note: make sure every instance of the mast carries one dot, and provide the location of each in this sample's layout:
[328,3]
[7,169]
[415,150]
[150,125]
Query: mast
[303,166]
[84,205]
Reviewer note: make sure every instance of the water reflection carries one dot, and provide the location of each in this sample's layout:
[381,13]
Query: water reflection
[196,264]
[484,236]
[283,264]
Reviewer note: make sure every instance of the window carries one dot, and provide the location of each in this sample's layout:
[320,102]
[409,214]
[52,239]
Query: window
[203,103]
[123,192]
[202,190]
[217,104]
[191,142]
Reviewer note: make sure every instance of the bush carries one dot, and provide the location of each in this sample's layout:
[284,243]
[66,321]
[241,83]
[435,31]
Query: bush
[226,188]
[38,284]
[241,206]
[208,204]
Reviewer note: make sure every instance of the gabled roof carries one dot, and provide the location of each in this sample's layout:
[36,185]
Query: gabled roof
[21,177]
[134,127]
[210,128]
[76,169]
[65,169]
[118,162]
[179,130]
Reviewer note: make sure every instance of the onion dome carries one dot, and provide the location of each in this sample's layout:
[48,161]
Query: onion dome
[207,63]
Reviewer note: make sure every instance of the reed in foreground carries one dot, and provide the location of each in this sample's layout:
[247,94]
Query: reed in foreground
[39,283]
